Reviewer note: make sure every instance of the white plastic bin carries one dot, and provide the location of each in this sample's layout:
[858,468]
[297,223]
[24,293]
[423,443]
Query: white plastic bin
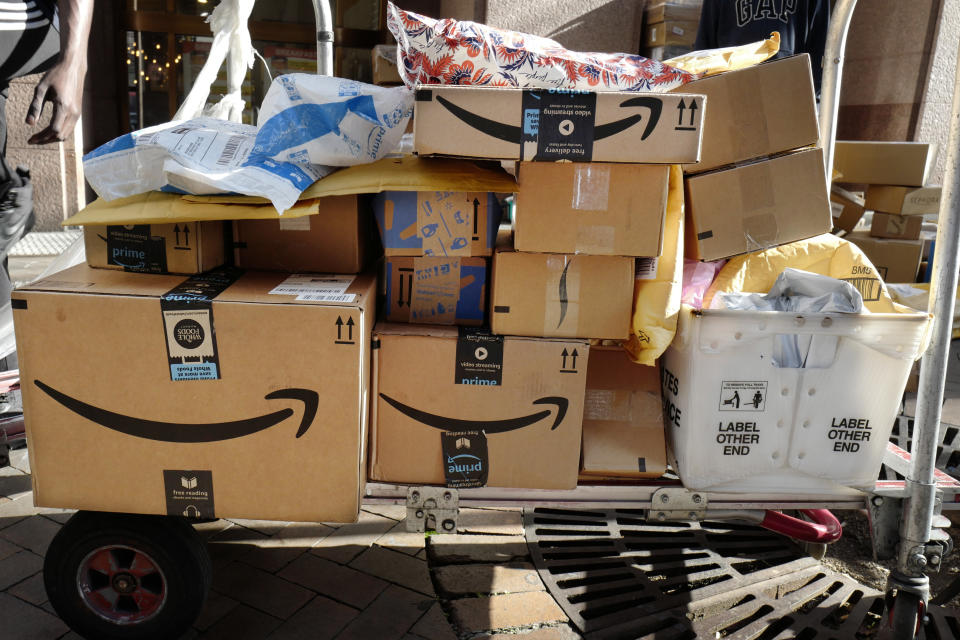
[736,423]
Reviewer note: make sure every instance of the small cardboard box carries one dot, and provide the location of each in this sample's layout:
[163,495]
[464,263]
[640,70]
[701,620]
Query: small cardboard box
[755,112]
[334,240]
[561,295]
[906,201]
[757,206]
[557,124]
[591,208]
[892,225]
[887,163]
[672,12]
[437,223]
[662,34]
[184,247]
[847,209]
[622,418]
[384,65]
[466,408]
[436,290]
[223,395]
[895,260]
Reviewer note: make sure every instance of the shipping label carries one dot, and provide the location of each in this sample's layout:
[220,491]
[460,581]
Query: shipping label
[558,125]
[316,288]
[189,493]
[479,358]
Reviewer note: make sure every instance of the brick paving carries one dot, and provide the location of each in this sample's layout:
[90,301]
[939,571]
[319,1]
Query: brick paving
[371,580]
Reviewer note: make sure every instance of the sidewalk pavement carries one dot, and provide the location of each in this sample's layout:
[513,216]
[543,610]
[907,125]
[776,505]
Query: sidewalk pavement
[365,581]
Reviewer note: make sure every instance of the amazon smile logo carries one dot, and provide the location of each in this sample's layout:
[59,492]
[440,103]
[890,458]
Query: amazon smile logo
[489,426]
[191,432]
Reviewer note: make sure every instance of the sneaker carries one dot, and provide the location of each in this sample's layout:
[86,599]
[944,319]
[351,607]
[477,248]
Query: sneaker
[16,210]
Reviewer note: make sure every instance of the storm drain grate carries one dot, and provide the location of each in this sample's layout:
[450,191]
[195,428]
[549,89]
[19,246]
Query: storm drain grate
[618,578]
[948,449]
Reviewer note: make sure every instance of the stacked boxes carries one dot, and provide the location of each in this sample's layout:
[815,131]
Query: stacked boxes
[670,28]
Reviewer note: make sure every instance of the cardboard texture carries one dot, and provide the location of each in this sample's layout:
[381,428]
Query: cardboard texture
[525,395]
[561,296]
[896,260]
[671,12]
[436,290]
[662,34]
[622,418]
[437,223]
[591,208]
[887,163]
[557,124]
[756,206]
[847,209]
[184,248]
[383,61]
[903,200]
[276,430]
[758,111]
[334,240]
[892,225]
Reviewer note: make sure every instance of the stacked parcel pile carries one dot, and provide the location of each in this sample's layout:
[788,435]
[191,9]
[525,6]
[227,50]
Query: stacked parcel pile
[670,28]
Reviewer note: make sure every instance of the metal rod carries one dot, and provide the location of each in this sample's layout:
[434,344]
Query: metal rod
[830,84]
[918,511]
[321,11]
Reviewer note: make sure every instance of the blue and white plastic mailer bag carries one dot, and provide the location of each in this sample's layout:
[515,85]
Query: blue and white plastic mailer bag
[308,125]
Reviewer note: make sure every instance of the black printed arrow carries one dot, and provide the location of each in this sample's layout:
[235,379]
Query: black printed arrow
[339,324]
[489,426]
[350,328]
[186,236]
[409,289]
[176,230]
[693,110]
[574,355]
[400,293]
[191,432]
[565,356]
[476,215]
[681,108]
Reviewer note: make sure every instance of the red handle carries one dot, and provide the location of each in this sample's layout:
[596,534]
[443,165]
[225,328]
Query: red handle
[825,527]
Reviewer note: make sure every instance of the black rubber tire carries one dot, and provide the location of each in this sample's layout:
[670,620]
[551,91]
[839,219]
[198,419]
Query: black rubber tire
[176,548]
[904,618]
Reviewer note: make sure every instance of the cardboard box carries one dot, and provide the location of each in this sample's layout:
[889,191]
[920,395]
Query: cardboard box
[436,290]
[383,60]
[756,206]
[437,223]
[213,396]
[622,418]
[903,200]
[755,112]
[334,240]
[889,163]
[185,247]
[895,260]
[847,209]
[466,408]
[561,296]
[557,124]
[892,225]
[661,34]
[591,208]
[672,12]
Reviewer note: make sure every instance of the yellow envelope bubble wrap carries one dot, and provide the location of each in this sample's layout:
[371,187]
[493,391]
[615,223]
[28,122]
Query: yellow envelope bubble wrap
[827,255]
[656,300]
[709,62]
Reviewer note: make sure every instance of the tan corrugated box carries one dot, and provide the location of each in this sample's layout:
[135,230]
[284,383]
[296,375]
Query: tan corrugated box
[887,163]
[183,248]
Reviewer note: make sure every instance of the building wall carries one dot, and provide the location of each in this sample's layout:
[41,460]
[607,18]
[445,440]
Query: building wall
[935,109]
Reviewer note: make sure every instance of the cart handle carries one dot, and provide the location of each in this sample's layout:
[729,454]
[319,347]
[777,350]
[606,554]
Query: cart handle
[825,527]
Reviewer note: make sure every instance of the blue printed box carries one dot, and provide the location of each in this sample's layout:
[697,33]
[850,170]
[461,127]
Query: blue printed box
[436,290]
[437,223]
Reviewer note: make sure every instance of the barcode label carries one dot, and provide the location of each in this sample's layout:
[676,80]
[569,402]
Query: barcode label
[320,284]
[230,149]
[326,297]
[646,269]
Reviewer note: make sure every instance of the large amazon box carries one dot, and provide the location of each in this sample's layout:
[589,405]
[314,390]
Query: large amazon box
[886,163]
[622,418]
[755,112]
[466,408]
[437,223]
[895,260]
[557,124]
[184,247]
[562,295]
[224,395]
[335,239]
[592,208]
[757,206]
[436,290]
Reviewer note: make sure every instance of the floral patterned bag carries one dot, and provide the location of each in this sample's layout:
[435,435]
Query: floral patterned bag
[467,53]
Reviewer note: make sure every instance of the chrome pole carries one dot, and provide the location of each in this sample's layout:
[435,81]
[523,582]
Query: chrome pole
[830,84]
[324,19]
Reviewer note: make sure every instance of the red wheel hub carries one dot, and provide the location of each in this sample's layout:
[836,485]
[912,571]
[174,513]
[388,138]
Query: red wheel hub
[121,584]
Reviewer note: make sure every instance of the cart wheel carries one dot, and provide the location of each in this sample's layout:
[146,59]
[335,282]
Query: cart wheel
[122,577]
[906,615]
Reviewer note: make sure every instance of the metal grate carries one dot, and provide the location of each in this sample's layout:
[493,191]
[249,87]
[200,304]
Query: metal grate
[617,577]
[948,450]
